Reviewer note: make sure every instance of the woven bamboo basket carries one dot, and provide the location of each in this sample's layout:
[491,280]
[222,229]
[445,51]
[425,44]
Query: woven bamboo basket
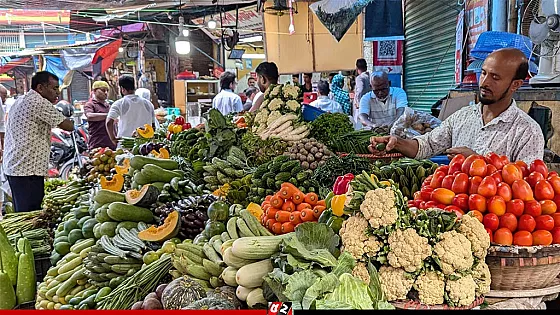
[523,268]
[416,305]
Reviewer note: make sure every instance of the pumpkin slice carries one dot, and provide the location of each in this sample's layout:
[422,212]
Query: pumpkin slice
[162,154]
[145,197]
[115,184]
[167,230]
[123,169]
[147,132]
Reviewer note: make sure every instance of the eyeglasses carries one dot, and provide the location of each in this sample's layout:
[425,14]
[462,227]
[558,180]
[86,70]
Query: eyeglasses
[385,89]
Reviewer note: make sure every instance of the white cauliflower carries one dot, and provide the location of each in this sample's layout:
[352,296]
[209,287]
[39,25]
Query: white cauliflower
[266,94]
[275,104]
[291,92]
[379,207]
[276,91]
[476,233]
[293,105]
[261,116]
[355,239]
[360,271]
[395,283]
[272,117]
[431,288]
[461,292]
[454,252]
[482,277]
[408,250]
[264,104]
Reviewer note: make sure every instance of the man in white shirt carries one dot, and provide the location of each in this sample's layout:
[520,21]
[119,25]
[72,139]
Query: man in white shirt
[28,145]
[132,111]
[323,102]
[227,101]
[384,104]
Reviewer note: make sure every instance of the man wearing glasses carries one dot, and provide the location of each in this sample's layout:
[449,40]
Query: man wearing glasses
[384,104]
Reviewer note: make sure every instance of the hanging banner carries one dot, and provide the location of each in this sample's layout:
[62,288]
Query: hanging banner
[250,22]
[459,38]
[388,55]
[384,18]
[477,19]
[34,17]
[338,15]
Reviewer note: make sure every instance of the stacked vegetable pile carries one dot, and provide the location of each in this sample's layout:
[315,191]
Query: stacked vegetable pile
[192,212]
[15,223]
[280,114]
[431,256]
[289,207]
[102,162]
[356,142]
[219,136]
[309,152]
[231,171]
[63,198]
[176,127]
[328,127]
[517,203]
[335,166]
[39,239]
[184,141]
[53,183]
[409,174]
[17,272]
[261,151]
[268,177]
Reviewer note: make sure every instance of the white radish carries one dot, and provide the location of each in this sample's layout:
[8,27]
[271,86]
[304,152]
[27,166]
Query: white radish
[286,131]
[295,137]
[283,127]
[278,122]
[299,130]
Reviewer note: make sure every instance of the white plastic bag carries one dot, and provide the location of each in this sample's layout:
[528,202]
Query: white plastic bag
[414,123]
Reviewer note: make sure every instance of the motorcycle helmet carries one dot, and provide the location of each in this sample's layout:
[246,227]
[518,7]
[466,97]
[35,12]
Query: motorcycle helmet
[65,108]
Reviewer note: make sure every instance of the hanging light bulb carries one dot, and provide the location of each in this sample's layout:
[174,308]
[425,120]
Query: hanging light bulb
[182,44]
[185,32]
[212,24]
[121,49]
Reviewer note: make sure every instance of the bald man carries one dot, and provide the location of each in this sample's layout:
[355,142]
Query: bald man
[495,124]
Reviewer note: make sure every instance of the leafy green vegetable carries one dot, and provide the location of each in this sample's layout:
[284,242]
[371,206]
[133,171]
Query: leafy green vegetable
[321,286]
[317,236]
[332,305]
[329,126]
[351,291]
[298,284]
[294,246]
[346,264]
[375,283]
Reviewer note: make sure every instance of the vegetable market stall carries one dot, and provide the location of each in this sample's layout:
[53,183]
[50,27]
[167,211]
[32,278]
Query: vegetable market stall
[271,208]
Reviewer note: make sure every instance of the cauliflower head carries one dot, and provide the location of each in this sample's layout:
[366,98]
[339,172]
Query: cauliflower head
[276,91]
[293,105]
[454,252]
[261,116]
[355,239]
[408,250]
[275,104]
[431,288]
[264,104]
[360,271]
[461,292]
[482,278]
[379,207]
[291,92]
[476,233]
[395,283]
[272,117]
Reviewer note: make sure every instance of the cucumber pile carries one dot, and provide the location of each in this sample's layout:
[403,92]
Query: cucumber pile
[62,199]
[268,177]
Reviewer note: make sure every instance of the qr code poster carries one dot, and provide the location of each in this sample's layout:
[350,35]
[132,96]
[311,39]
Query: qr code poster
[388,55]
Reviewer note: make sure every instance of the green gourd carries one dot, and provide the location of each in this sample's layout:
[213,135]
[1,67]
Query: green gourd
[26,278]
[7,294]
[9,256]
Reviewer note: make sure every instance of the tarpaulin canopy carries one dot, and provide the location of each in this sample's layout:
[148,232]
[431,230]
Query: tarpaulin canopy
[101,55]
[8,63]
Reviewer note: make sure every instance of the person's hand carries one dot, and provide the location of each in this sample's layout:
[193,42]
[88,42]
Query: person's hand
[466,152]
[377,143]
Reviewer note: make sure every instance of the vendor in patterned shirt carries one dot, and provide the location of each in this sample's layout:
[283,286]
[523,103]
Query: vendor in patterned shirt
[496,124]
[28,135]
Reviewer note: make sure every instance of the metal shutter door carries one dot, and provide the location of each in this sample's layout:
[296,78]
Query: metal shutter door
[429,54]
[79,88]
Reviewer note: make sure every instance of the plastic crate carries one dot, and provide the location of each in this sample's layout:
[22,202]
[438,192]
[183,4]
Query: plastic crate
[310,113]
[492,40]
[42,265]
[440,159]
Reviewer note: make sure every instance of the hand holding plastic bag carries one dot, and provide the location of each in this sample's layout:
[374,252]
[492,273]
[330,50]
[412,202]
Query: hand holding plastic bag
[414,123]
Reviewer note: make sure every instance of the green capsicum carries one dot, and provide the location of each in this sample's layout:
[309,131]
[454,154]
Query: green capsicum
[335,223]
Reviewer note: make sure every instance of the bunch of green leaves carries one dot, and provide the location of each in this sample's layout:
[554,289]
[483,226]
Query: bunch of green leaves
[335,166]
[261,151]
[431,223]
[330,126]
[220,135]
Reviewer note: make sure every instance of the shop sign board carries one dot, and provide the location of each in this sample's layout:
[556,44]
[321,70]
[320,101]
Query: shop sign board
[250,22]
[477,19]
[459,38]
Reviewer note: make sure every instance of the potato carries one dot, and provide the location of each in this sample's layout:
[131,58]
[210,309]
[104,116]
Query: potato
[159,290]
[137,305]
[152,304]
[418,127]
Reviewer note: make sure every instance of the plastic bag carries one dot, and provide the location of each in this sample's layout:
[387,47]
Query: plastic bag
[338,15]
[414,123]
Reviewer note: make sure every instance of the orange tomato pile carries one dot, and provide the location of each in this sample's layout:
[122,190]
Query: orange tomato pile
[289,207]
[516,203]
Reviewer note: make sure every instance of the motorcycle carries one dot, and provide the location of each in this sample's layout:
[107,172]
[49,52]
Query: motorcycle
[68,150]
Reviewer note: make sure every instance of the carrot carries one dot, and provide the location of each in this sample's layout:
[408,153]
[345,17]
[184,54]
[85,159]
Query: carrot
[289,206]
[317,211]
[311,198]
[287,190]
[267,198]
[269,223]
[287,227]
[263,218]
[277,228]
[321,203]
[282,216]
[295,217]
[307,215]
[271,213]
[298,197]
[265,207]
[303,205]
[276,201]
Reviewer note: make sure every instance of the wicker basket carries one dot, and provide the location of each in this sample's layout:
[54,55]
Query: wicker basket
[416,305]
[523,268]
